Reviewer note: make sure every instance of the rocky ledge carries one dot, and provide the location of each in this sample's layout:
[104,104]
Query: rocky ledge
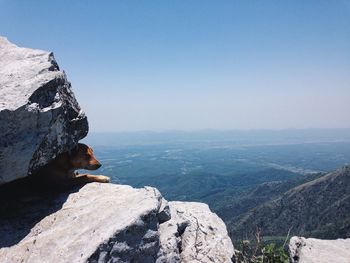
[110,223]
[312,250]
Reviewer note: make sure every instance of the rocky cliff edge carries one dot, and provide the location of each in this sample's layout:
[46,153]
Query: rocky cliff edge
[111,223]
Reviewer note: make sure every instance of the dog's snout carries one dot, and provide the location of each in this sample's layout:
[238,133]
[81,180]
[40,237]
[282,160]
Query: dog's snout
[93,166]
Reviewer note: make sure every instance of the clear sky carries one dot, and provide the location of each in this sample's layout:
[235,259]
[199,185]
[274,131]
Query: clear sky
[196,64]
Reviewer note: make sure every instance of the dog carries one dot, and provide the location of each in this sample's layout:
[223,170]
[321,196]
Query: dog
[57,176]
[61,171]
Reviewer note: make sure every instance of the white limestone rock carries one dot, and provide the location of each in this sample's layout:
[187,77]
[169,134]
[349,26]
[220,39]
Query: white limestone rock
[110,223]
[95,224]
[39,115]
[194,235]
[312,250]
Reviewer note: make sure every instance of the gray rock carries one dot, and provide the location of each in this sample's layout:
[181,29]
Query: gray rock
[98,223]
[194,234]
[39,115]
[164,211]
[311,250]
[110,223]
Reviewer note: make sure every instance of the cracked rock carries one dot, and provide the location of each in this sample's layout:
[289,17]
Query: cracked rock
[194,234]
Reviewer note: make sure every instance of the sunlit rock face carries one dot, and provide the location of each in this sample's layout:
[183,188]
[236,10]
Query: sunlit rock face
[112,223]
[194,235]
[39,115]
[312,250]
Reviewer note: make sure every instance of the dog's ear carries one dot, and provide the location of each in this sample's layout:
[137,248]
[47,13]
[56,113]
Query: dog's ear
[73,151]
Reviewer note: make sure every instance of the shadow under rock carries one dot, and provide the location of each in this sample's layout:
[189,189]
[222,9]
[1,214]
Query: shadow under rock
[24,203]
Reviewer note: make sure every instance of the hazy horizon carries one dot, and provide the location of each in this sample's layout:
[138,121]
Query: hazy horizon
[195,65]
[222,138]
[221,130]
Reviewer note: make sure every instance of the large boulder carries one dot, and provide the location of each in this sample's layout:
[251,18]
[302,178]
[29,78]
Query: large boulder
[39,115]
[111,223]
[312,250]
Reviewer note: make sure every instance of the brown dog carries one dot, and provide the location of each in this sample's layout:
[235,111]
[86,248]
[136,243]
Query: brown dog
[61,170]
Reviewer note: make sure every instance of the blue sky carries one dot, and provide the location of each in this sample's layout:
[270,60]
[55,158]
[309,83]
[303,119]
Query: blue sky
[196,64]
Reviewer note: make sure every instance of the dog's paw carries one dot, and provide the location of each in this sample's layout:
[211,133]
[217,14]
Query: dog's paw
[103,179]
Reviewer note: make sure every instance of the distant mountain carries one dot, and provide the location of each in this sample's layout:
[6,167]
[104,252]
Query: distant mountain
[262,193]
[217,190]
[319,208]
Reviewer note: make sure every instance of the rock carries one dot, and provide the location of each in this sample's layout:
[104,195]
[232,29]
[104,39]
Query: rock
[164,214]
[110,223]
[194,234]
[39,115]
[311,250]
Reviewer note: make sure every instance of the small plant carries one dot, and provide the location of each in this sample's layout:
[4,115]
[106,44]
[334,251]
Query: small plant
[249,252]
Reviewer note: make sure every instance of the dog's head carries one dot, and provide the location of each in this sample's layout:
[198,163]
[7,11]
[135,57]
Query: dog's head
[82,157]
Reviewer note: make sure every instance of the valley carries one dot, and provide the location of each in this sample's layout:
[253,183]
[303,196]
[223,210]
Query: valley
[232,177]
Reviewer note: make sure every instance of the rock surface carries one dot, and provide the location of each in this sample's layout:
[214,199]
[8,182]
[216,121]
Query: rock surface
[111,223]
[194,235]
[39,115]
[311,250]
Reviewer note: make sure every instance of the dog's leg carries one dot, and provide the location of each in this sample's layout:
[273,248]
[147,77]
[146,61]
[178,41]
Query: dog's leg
[89,178]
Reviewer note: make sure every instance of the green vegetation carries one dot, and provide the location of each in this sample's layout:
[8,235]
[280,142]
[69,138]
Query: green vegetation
[261,251]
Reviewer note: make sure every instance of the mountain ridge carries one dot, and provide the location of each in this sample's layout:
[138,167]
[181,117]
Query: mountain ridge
[319,208]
